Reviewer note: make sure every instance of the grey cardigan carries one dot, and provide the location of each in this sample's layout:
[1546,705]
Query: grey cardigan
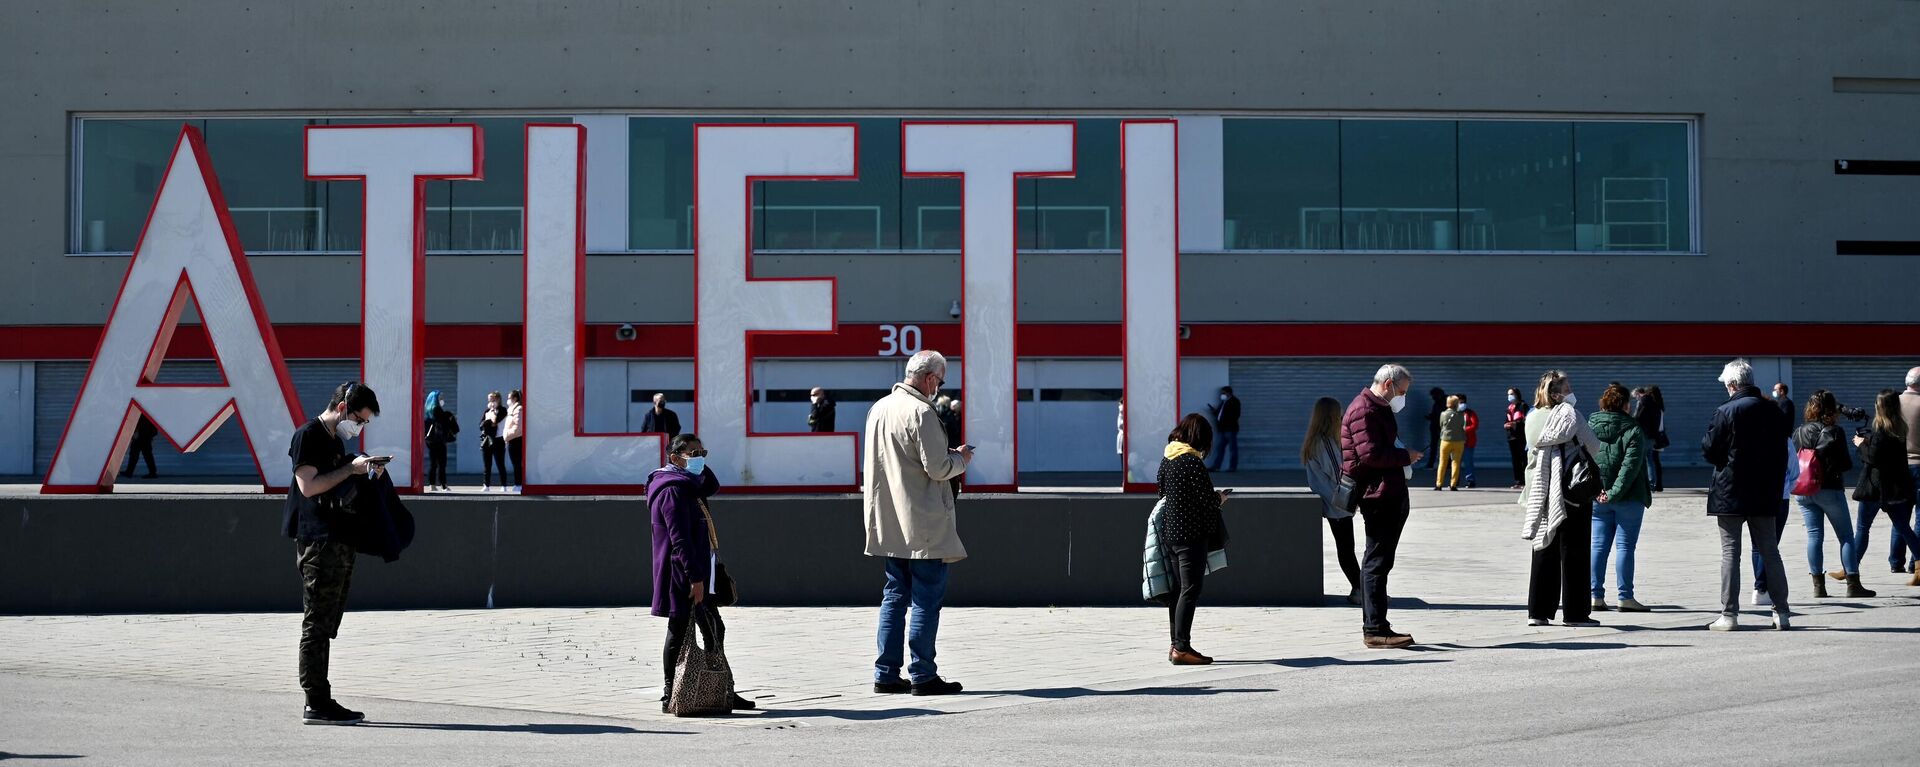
[1323,476]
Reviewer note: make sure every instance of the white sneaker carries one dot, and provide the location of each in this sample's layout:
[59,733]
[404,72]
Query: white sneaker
[486,488]
[1538,622]
[1761,599]
[1780,622]
[1725,623]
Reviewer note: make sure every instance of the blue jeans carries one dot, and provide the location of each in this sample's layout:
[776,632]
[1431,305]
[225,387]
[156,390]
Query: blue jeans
[1226,440]
[1466,465]
[1759,562]
[1608,518]
[1899,516]
[1818,509]
[923,583]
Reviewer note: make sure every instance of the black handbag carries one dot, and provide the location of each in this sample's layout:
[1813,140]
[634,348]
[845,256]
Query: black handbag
[1346,494]
[1582,476]
[725,592]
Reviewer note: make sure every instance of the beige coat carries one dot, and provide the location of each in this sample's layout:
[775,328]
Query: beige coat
[905,494]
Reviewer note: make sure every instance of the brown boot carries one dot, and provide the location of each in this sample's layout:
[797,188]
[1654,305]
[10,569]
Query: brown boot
[1854,589]
[1819,586]
[1179,657]
[1916,579]
[1838,575]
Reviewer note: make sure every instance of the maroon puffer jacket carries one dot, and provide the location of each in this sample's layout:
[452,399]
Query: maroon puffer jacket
[1367,452]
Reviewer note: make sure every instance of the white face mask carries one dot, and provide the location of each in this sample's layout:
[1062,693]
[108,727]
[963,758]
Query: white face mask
[1223,397]
[347,429]
[1462,408]
[1512,399]
[1399,401]
[1572,399]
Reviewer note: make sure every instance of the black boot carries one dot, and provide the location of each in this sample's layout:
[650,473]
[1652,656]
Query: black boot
[1819,586]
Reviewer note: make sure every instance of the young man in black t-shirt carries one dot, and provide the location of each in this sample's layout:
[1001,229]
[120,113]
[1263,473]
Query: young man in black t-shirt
[313,518]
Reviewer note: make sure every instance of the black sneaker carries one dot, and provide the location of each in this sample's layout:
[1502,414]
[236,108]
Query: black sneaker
[741,704]
[936,686]
[894,687]
[331,712]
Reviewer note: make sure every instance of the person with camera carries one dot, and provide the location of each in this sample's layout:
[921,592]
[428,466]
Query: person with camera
[493,449]
[322,530]
[1886,484]
[1824,461]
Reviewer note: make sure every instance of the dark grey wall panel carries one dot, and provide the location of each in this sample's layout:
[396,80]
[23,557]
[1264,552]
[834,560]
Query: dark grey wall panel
[92,554]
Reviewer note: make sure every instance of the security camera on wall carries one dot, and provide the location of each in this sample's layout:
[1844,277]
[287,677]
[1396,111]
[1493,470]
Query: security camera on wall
[625,332]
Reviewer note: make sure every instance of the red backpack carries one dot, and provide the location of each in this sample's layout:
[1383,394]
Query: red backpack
[1809,481]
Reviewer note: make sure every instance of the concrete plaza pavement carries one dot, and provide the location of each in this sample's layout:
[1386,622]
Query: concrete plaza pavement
[1063,685]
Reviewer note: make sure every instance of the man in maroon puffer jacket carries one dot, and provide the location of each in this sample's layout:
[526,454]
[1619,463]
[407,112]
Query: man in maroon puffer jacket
[1371,453]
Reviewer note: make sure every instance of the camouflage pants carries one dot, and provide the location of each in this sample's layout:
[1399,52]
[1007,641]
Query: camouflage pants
[326,570]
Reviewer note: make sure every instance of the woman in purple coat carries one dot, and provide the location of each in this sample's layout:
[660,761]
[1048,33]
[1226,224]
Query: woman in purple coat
[685,550]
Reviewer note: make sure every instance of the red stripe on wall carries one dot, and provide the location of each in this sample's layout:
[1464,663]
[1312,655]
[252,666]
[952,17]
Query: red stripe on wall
[1068,340]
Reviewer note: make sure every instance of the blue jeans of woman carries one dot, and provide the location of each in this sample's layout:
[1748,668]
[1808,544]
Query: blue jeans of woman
[1759,562]
[1616,528]
[1818,510]
[1899,516]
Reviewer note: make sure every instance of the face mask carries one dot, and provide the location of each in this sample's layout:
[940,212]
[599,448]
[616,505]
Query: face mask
[1571,399]
[696,464]
[1461,408]
[347,429]
[1398,401]
[1512,399]
[1223,398]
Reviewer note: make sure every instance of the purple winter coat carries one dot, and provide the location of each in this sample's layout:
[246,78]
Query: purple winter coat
[681,549]
[1367,453]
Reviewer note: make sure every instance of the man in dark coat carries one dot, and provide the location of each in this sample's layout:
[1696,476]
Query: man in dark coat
[1226,426]
[820,419]
[141,446]
[1785,402]
[1439,396]
[1746,445]
[661,420]
[1371,453]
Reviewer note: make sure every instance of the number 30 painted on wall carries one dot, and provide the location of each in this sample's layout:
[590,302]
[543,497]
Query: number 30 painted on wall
[899,340]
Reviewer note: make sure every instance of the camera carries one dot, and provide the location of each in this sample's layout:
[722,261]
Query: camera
[1852,413]
[625,332]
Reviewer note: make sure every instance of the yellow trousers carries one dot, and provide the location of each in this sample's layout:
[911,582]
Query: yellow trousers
[1451,455]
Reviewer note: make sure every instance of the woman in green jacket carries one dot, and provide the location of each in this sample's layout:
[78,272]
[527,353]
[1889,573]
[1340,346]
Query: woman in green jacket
[1623,473]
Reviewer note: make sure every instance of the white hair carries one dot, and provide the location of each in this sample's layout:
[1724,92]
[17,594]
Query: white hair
[1737,373]
[1913,378]
[924,362]
[1392,372]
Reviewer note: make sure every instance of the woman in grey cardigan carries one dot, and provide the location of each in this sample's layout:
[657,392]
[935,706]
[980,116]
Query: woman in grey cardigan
[1320,453]
[1561,530]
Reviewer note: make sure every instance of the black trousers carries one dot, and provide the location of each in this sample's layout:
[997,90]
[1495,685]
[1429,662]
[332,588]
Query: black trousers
[1517,452]
[1562,571]
[494,454]
[326,573]
[678,628]
[1187,565]
[1342,530]
[437,464]
[517,450]
[136,449]
[1384,525]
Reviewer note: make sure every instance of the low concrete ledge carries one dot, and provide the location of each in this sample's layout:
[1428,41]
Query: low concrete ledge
[132,553]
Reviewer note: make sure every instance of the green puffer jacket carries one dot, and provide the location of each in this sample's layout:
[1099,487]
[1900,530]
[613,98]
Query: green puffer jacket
[1622,458]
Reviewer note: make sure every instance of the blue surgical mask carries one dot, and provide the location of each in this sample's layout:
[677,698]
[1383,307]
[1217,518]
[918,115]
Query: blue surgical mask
[696,464]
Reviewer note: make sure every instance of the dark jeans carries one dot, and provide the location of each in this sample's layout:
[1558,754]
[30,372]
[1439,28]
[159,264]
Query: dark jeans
[1759,562]
[494,454]
[517,450]
[677,632]
[1561,570]
[1384,525]
[1900,517]
[326,572]
[1342,530]
[1655,474]
[921,584]
[136,449]
[1517,453]
[1188,567]
[437,464]
[1225,441]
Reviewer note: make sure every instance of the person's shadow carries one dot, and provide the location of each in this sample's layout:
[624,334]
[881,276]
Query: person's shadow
[5,756]
[534,728]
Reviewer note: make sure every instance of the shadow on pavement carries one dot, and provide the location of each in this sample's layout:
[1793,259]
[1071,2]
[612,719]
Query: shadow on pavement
[1059,693]
[848,714]
[537,729]
[5,756]
[1328,661]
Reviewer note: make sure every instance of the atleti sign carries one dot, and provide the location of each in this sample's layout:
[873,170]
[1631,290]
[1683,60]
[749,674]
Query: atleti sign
[188,252]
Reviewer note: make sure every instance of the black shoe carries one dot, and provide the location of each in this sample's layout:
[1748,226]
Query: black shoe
[936,686]
[741,704]
[894,687]
[331,712]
